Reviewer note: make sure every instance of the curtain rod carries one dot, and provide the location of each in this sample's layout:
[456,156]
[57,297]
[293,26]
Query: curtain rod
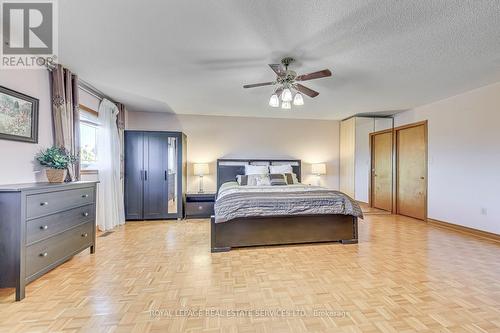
[87,87]
[93,91]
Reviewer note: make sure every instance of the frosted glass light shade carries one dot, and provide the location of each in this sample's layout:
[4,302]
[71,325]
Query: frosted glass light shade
[286,105]
[286,95]
[318,169]
[298,100]
[200,169]
[274,101]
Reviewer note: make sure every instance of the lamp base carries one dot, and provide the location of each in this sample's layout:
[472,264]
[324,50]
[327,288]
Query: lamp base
[201,185]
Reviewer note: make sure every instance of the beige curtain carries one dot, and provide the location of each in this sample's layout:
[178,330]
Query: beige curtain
[66,115]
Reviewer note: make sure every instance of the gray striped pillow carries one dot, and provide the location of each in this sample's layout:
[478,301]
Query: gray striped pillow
[277,179]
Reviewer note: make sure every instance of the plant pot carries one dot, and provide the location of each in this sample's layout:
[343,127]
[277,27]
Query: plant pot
[55,175]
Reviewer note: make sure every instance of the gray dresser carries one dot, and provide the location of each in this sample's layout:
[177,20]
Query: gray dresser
[42,225]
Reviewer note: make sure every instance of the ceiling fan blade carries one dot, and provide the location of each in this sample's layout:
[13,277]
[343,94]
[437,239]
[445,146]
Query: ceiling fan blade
[278,69]
[305,90]
[258,85]
[315,75]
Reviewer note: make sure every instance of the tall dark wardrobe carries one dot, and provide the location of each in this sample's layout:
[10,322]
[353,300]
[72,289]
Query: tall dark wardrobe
[155,175]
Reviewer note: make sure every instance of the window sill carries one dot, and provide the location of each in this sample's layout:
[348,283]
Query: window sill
[89,172]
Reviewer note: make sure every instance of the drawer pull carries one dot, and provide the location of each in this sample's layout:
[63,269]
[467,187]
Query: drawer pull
[44,227]
[85,195]
[44,254]
[200,207]
[44,203]
[85,235]
[85,214]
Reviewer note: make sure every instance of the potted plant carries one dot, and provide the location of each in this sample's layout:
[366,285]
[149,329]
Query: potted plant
[57,160]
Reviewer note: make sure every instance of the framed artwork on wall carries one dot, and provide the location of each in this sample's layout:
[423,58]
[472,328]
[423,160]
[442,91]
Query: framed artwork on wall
[18,116]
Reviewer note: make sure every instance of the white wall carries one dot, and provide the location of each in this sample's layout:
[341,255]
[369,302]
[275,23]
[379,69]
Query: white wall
[18,158]
[464,157]
[213,137]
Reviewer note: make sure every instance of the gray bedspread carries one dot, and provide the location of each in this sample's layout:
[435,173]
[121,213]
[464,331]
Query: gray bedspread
[234,201]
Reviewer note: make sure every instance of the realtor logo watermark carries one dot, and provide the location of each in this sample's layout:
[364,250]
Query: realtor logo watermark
[29,34]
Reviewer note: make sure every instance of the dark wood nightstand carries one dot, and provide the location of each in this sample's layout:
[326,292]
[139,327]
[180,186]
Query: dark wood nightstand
[199,205]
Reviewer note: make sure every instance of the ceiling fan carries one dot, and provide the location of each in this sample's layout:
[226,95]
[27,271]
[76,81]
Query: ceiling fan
[287,81]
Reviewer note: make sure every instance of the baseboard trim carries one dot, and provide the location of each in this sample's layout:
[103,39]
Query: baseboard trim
[465,230]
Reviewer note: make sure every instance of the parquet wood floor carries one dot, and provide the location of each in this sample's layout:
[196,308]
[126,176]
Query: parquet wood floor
[403,276]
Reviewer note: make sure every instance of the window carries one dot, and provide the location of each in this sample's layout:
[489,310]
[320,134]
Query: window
[88,138]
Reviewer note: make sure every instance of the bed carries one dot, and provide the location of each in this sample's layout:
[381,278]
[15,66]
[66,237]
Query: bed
[278,215]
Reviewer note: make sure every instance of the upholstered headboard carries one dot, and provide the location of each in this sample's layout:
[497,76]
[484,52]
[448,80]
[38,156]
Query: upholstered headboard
[228,169]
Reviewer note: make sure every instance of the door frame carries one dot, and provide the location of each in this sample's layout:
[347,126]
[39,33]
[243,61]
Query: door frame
[370,184]
[396,164]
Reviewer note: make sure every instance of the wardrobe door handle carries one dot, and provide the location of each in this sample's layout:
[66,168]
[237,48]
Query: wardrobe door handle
[145,175]
[165,174]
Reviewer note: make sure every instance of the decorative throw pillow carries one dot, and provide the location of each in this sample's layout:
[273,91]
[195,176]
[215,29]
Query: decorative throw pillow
[262,180]
[277,179]
[291,178]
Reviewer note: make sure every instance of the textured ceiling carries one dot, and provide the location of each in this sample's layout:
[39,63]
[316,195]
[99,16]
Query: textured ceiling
[192,57]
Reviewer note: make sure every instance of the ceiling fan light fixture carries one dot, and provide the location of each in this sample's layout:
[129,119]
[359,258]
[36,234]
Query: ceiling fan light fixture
[286,95]
[298,99]
[274,101]
[286,105]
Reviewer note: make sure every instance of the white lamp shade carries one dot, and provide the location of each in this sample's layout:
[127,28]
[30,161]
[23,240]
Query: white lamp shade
[286,95]
[200,169]
[318,169]
[274,101]
[298,100]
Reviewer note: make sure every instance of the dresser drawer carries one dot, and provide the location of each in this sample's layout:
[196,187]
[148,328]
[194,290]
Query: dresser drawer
[47,226]
[199,209]
[52,250]
[47,203]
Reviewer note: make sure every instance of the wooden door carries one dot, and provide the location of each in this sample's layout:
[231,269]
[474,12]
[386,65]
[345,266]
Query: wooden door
[134,169]
[411,163]
[381,179]
[155,177]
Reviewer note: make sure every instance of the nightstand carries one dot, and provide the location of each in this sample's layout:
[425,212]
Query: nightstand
[199,205]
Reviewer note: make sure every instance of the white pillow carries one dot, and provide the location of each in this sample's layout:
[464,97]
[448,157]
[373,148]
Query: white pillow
[256,169]
[285,168]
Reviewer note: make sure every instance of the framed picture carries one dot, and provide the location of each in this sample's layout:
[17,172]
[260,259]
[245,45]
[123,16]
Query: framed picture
[18,116]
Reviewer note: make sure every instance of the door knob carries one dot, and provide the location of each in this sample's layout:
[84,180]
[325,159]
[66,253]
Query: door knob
[44,203]
[85,214]
[422,177]
[44,254]
[44,227]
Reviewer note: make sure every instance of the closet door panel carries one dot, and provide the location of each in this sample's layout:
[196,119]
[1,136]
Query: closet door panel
[155,177]
[133,175]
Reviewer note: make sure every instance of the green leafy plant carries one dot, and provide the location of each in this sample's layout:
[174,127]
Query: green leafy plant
[56,158]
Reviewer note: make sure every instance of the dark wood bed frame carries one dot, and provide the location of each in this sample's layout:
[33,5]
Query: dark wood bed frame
[276,230]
